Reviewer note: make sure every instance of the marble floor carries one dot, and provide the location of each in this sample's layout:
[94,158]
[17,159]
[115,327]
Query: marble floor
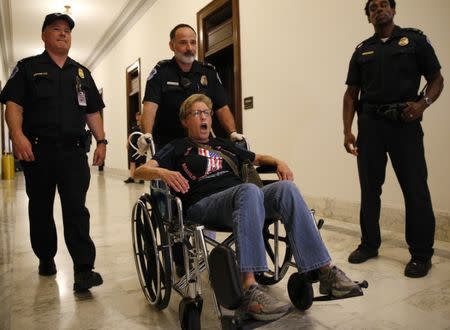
[29,301]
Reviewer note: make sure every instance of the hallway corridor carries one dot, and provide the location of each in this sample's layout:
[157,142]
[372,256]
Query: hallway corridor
[29,301]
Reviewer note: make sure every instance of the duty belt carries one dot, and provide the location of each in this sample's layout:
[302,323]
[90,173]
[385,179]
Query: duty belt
[391,111]
[78,142]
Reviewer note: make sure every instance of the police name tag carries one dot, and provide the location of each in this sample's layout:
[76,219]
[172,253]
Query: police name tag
[81,99]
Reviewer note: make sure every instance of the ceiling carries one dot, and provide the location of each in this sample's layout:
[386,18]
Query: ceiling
[98,25]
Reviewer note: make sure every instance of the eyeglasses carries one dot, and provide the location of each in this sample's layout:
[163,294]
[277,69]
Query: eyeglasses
[197,113]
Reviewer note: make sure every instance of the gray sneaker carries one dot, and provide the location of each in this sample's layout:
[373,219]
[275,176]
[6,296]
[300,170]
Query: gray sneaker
[335,283]
[259,305]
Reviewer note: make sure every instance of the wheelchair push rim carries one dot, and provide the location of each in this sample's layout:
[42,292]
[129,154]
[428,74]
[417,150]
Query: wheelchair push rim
[151,253]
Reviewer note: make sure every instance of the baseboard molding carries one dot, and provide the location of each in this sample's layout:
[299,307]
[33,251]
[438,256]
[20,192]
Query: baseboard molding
[391,218]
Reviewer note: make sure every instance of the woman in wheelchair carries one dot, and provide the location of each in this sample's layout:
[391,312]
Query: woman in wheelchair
[196,171]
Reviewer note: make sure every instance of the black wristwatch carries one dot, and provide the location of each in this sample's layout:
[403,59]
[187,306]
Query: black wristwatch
[104,141]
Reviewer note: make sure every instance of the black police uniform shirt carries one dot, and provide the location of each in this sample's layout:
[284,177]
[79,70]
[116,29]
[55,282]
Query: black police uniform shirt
[168,86]
[206,171]
[49,96]
[390,72]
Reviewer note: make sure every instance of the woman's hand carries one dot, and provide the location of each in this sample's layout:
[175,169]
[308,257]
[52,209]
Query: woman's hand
[284,172]
[174,180]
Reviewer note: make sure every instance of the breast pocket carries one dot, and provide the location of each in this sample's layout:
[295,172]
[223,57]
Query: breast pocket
[368,69]
[43,87]
[404,60]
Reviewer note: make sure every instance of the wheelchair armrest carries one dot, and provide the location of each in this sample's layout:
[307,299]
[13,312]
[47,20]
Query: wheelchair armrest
[266,169]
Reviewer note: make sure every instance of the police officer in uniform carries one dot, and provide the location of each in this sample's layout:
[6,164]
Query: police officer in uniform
[385,72]
[49,100]
[172,81]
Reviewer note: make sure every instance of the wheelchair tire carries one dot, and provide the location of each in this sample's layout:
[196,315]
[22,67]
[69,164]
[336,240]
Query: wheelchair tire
[268,278]
[300,291]
[189,313]
[151,252]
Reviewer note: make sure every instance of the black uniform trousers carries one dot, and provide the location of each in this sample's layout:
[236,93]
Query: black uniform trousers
[403,142]
[64,167]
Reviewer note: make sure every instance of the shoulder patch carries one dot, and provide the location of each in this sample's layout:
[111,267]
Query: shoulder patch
[152,73]
[14,71]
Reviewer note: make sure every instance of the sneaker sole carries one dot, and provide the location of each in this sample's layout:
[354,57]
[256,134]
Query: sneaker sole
[355,292]
[269,317]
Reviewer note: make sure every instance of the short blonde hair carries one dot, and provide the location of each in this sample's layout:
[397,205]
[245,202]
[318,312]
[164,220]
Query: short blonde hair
[189,102]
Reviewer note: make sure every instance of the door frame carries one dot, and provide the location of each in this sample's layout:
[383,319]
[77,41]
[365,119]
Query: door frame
[202,16]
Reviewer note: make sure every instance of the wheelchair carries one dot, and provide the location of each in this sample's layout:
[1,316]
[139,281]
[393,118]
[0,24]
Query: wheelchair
[157,223]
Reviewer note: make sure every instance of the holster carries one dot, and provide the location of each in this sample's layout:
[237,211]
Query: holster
[87,141]
[392,111]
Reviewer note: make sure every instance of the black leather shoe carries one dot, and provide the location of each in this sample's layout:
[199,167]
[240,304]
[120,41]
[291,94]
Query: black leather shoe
[86,280]
[129,180]
[360,255]
[417,268]
[47,267]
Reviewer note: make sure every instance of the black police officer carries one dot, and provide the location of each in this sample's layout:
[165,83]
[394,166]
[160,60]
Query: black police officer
[49,100]
[172,81]
[385,72]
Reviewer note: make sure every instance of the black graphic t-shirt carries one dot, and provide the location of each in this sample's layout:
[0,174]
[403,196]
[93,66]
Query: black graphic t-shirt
[206,171]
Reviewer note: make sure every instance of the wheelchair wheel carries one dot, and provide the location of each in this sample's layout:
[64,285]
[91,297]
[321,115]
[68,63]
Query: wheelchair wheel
[151,252]
[300,291]
[189,313]
[284,255]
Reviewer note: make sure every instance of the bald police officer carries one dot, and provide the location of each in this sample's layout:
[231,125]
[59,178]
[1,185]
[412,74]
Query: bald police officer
[385,72]
[49,100]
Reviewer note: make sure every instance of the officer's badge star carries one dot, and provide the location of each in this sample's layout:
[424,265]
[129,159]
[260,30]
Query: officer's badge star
[81,73]
[403,41]
[204,80]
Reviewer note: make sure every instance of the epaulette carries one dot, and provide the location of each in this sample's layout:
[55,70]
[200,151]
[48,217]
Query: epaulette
[362,43]
[26,59]
[163,62]
[208,65]
[413,30]
[82,66]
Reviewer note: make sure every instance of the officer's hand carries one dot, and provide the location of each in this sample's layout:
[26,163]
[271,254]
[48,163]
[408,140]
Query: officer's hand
[413,111]
[143,143]
[350,144]
[235,136]
[175,180]
[99,155]
[22,147]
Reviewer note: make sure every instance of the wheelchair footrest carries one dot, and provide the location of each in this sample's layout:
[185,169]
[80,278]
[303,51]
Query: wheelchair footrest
[225,277]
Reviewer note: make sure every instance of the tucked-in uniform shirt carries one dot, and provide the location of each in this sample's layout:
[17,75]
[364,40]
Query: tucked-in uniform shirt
[390,71]
[49,96]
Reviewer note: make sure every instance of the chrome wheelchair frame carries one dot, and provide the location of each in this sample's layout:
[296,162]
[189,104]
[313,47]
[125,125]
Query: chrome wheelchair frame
[157,224]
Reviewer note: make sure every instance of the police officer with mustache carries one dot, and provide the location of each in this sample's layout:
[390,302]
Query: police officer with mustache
[171,81]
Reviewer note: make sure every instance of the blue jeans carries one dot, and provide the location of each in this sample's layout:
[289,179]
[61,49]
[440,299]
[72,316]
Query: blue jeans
[245,207]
